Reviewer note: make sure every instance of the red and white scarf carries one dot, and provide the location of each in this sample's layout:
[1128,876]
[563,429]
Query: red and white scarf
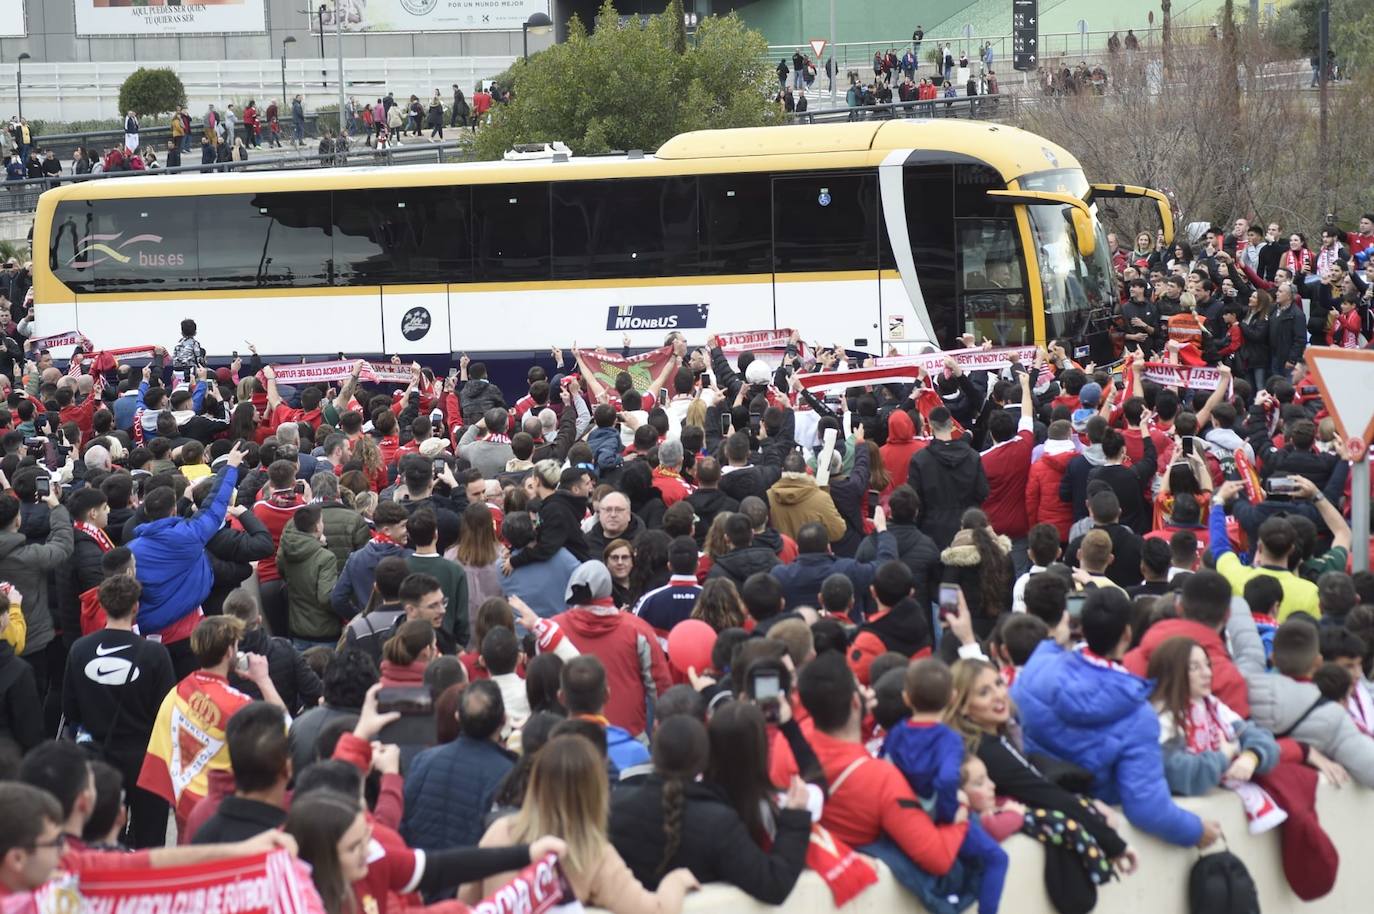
[380,537]
[1208,728]
[102,539]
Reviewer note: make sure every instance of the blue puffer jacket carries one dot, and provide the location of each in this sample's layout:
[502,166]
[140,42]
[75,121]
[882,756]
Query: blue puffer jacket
[172,565]
[1102,720]
[605,445]
[449,791]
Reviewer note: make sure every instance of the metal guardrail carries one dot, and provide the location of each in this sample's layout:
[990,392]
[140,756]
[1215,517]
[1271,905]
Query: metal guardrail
[157,136]
[977,107]
[1089,46]
[22,196]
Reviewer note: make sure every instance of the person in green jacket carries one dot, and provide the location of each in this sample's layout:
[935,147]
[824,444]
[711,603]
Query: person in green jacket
[423,528]
[344,529]
[311,572]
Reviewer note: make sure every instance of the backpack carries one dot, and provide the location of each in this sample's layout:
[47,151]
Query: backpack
[1220,884]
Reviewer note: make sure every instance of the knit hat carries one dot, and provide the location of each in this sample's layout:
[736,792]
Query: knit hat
[590,581]
[1091,394]
[757,373]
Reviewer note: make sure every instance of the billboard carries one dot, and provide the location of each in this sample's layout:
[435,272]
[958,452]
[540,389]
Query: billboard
[431,15]
[12,19]
[168,17]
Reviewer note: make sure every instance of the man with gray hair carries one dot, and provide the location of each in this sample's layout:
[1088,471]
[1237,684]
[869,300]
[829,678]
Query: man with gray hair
[288,436]
[668,476]
[489,452]
[98,459]
[1287,331]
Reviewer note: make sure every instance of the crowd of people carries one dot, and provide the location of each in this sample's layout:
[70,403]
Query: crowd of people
[670,629]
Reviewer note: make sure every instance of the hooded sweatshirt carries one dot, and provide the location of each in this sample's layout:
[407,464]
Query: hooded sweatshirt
[949,478]
[795,501]
[626,645]
[275,512]
[901,444]
[1043,504]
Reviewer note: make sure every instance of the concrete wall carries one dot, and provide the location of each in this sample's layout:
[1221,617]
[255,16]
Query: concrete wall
[1159,885]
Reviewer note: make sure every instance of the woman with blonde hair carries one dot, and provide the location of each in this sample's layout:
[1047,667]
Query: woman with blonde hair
[1088,848]
[568,797]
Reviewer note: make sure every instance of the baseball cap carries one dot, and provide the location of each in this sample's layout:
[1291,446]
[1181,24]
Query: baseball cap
[1091,394]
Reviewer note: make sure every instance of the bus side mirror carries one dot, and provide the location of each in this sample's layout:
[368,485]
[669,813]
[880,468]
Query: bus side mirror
[1084,232]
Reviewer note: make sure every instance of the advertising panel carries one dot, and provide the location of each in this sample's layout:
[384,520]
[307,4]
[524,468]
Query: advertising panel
[431,15]
[168,17]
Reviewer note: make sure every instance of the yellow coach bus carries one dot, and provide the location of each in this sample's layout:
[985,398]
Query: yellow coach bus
[874,235]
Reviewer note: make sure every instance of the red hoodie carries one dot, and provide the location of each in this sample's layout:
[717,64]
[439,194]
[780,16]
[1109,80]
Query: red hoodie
[1007,465]
[629,650]
[901,444]
[869,799]
[1043,504]
[275,512]
[1227,682]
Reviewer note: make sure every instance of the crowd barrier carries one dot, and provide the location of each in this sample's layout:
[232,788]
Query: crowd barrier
[1159,885]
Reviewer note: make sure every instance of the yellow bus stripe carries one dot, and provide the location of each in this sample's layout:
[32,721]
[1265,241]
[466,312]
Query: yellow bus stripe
[472,288]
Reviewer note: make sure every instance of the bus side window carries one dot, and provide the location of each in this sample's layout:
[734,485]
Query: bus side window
[511,237]
[736,223]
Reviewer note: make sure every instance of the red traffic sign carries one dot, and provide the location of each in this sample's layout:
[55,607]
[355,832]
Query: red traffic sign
[817,46]
[1343,376]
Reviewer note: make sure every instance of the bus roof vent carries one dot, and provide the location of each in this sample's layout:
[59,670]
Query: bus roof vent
[523,152]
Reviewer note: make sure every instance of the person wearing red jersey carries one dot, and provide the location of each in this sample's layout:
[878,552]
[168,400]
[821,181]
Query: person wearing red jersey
[188,739]
[1007,465]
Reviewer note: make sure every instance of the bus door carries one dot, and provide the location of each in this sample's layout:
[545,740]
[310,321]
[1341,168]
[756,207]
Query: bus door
[825,257]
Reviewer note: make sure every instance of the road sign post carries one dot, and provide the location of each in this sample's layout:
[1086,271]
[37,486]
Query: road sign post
[1342,376]
[1025,34]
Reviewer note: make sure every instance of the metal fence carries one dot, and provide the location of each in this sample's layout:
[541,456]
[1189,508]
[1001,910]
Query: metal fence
[1088,46]
[978,107]
[22,196]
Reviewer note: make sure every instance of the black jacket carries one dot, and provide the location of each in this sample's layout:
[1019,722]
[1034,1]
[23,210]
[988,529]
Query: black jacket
[1129,483]
[949,477]
[598,539]
[560,527]
[915,550]
[237,819]
[847,492]
[478,396]
[20,717]
[740,483]
[739,564]
[291,676]
[78,575]
[1287,337]
[100,684]
[708,503]
[1124,571]
[230,551]
[715,846]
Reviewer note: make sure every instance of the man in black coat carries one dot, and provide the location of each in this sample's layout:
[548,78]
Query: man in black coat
[90,513]
[291,676]
[560,523]
[915,550]
[260,755]
[708,501]
[745,557]
[948,477]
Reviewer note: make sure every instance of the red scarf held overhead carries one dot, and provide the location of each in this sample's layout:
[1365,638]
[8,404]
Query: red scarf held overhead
[102,539]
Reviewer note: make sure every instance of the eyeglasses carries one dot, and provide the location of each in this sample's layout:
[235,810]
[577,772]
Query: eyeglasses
[57,843]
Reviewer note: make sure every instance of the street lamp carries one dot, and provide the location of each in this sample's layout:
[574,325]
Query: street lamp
[539,24]
[289,39]
[19,82]
[323,80]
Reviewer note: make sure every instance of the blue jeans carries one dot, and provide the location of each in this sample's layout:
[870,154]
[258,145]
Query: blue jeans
[948,894]
[303,645]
